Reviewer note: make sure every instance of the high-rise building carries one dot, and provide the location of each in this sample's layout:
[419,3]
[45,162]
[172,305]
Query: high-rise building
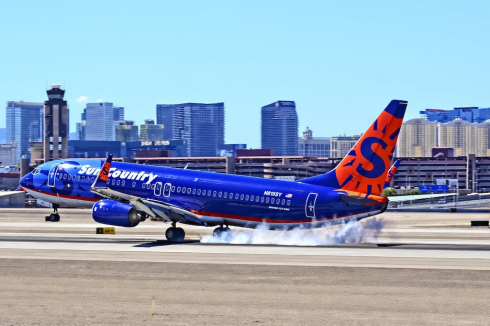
[280,128]
[99,119]
[340,146]
[24,121]
[165,117]
[470,114]
[151,131]
[315,147]
[118,113]
[126,131]
[417,138]
[201,125]
[55,125]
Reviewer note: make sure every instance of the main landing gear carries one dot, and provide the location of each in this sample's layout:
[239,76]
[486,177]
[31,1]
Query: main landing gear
[222,233]
[175,234]
[55,217]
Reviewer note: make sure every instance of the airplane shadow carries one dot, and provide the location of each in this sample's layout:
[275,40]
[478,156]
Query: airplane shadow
[160,243]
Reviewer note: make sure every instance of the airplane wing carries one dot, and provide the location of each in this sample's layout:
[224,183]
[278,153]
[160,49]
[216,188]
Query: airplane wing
[398,199]
[153,208]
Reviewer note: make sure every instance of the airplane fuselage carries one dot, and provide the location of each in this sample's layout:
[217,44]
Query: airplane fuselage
[217,198]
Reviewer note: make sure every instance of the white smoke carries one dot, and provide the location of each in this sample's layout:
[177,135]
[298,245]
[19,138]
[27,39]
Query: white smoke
[352,232]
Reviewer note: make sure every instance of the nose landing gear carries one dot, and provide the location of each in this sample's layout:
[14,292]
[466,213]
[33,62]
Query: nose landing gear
[55,217]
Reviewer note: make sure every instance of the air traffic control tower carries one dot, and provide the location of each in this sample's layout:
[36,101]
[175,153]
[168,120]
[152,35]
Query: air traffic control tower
[55,125]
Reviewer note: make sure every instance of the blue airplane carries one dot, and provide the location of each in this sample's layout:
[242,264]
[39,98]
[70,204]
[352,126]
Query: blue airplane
[124,194]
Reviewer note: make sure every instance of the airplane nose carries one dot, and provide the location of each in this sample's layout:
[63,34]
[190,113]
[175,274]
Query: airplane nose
[26,181]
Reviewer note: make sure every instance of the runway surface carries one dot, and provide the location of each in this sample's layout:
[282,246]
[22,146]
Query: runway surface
[431,269]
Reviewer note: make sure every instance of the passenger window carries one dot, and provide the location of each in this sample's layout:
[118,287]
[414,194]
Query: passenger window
[257,199]
[194,191]
[226,195]
[261,199]
[198,191]
[189,191]
[178,189]
[246,197]
[183,190]
[273,200]
[214,193]
[241,197]
[134,184]
[153,187]
[252,198]
[118,182]
[143,185]
[231,195]
[209,193]
[173,188]
[93,179]
[78,178]
[219,194]
[64,177]
[267,200]
[236,196]
[289,202]
[123,182]
[283,201]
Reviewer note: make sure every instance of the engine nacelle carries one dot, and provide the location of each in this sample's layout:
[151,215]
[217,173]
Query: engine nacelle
[115,213]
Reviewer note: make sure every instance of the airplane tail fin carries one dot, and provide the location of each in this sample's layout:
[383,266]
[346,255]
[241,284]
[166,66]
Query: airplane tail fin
[365,167]
[391,173]
[101,181]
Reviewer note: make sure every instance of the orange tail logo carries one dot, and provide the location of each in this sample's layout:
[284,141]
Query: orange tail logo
[364,169]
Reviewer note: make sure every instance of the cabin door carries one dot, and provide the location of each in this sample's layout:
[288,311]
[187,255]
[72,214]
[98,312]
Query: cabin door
[167,189]
[52,174]
[310,205]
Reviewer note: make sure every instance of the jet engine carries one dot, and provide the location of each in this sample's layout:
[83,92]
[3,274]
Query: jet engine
[115,213]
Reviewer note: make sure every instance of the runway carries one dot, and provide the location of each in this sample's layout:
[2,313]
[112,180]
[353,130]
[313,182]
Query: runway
[431,269]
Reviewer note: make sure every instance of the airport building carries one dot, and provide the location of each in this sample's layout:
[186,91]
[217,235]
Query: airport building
[340,146]
[56,125]
[316,147]
[99,121]
[24,122]
[279,128]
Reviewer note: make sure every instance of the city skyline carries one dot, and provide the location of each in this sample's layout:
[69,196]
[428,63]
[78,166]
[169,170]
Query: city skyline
[332,59]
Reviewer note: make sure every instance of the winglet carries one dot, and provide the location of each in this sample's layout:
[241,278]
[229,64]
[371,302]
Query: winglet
[391,173]
[101,181]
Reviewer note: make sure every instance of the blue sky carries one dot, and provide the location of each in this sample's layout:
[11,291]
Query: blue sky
[342,61]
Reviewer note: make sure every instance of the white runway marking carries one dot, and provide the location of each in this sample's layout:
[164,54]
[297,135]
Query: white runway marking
[253,250]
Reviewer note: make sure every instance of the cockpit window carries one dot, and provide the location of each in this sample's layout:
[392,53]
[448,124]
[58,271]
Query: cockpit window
[36,171]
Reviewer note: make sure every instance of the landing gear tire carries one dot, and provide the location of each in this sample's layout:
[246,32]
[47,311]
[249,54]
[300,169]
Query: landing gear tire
[53,218]
[222,233]
[175,234]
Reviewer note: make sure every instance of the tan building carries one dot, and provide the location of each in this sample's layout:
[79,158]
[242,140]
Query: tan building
[340,146]
[417,138]
[8,153]
[459,134]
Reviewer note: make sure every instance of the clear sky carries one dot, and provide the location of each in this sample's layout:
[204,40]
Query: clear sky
[341,61]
